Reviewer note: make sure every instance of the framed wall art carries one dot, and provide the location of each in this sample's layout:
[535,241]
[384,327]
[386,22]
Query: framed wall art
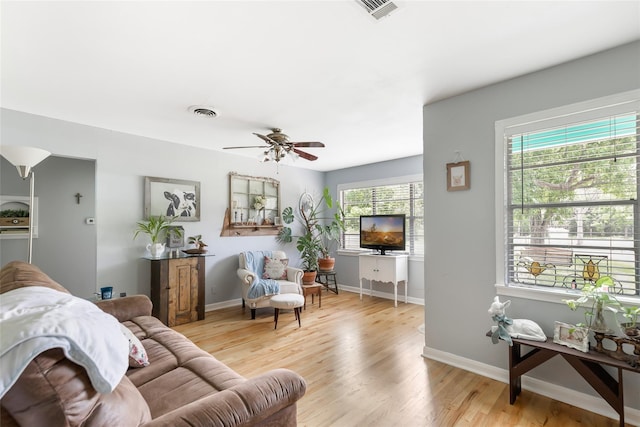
[571,336]
[172,197]
[458,176]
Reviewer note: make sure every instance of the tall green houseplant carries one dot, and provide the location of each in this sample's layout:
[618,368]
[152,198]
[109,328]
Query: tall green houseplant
[318,231]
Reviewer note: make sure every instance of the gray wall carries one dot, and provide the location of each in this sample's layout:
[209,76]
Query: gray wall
[122,161]
[347,265]
[460,234]
[66,245]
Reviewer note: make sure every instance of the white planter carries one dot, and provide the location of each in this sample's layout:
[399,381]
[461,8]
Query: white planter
[156,249]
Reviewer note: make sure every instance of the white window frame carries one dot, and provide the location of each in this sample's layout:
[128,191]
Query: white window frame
[530,122]
[378,183]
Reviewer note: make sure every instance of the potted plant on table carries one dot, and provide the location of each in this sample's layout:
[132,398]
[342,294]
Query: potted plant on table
[330,233]
[318,231]
[156,228]
[309,246]
[595,298]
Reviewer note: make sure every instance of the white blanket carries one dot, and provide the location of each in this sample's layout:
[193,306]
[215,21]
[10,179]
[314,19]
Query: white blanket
[34,319]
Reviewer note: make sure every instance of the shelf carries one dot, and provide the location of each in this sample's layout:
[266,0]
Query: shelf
[255,226]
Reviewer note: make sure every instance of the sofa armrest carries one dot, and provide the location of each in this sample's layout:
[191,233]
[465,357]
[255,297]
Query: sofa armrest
[126,308]
[295,275]
[245,404]
[246,276]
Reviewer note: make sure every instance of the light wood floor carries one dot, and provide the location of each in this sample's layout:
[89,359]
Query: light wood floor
[363,366]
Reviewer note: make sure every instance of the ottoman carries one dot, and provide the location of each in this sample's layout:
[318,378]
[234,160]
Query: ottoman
[287,301]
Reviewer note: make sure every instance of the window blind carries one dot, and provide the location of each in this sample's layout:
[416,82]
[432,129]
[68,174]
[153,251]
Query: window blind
[572,201]
[400,198]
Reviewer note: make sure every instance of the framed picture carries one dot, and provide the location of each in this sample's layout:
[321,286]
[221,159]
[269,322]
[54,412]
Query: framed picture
[458,177]
[172,197]
[571,336]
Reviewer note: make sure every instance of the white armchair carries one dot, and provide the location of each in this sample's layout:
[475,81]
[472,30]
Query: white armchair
[292,285]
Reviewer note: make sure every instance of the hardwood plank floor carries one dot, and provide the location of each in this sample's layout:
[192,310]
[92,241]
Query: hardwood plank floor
[363,366]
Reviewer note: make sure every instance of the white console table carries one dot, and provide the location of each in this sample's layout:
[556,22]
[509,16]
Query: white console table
[385,268]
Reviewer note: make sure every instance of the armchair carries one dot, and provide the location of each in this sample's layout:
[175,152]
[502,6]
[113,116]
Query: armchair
[292,285]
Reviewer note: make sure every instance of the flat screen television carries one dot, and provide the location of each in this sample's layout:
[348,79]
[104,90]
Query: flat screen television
[383,232]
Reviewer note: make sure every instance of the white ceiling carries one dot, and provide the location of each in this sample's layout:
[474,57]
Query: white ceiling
[320,70]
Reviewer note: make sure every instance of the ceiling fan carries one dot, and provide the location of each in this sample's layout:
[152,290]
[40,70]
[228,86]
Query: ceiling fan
[278,146]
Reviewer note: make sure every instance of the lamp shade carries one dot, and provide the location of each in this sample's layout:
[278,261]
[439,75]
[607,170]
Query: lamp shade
[23,158]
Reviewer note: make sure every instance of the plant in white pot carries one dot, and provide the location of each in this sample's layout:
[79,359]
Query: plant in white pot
[156,228]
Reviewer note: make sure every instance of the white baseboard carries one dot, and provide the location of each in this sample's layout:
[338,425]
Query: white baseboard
[224,304]
[562,394]
[386,295]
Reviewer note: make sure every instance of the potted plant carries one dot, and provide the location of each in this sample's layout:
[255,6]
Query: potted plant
[309,246]
[330,233]
[594,300]
[318,232]
[156,227]
[198,243]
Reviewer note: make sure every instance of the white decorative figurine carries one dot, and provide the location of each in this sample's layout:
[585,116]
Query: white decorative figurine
[516,328]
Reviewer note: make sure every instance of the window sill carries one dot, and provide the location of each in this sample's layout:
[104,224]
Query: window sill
[550,295]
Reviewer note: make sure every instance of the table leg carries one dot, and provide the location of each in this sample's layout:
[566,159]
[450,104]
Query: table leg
[395,294]
[515,384]
[406,285]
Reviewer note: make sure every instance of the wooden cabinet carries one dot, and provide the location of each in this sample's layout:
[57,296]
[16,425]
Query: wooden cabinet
[177,289]
[387,269]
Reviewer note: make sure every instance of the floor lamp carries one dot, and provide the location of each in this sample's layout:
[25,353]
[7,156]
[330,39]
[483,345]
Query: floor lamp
[24,158]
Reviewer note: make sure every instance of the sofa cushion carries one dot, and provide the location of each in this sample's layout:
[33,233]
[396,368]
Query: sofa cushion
[179,372]
[52,390]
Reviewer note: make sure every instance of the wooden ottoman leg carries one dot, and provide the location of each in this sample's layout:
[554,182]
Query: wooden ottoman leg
[275,317]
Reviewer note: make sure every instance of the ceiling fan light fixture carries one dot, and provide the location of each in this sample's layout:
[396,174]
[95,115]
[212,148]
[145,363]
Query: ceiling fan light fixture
[203,111]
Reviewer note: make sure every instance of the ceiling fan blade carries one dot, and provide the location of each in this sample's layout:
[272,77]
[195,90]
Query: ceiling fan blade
[305,155]
[265,138]
[308,144]
[246,146]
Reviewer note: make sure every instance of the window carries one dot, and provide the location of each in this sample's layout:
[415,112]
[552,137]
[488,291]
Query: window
[570,191]
[403,195]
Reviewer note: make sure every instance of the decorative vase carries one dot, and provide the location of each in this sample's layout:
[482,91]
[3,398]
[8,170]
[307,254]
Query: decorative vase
[156,249]
[598,323]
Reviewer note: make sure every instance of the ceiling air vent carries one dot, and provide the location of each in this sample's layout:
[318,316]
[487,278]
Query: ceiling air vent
[378,8]
[202,110]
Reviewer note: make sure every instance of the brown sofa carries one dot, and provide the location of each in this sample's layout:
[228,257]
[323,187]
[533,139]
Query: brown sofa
[182,386]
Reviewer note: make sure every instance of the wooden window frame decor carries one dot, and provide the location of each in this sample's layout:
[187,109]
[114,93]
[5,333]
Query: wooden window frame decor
[173,198]
[241,217]
[571,336]
[458,177]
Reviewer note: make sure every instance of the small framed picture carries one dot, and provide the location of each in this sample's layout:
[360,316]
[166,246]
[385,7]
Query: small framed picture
[458,176]
[172,198]
[571,336]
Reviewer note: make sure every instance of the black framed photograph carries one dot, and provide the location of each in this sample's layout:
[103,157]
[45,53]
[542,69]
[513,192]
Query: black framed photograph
[458,177]
[172,197]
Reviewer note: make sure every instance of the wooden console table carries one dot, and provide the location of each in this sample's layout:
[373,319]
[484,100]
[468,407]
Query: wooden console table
[588,365]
